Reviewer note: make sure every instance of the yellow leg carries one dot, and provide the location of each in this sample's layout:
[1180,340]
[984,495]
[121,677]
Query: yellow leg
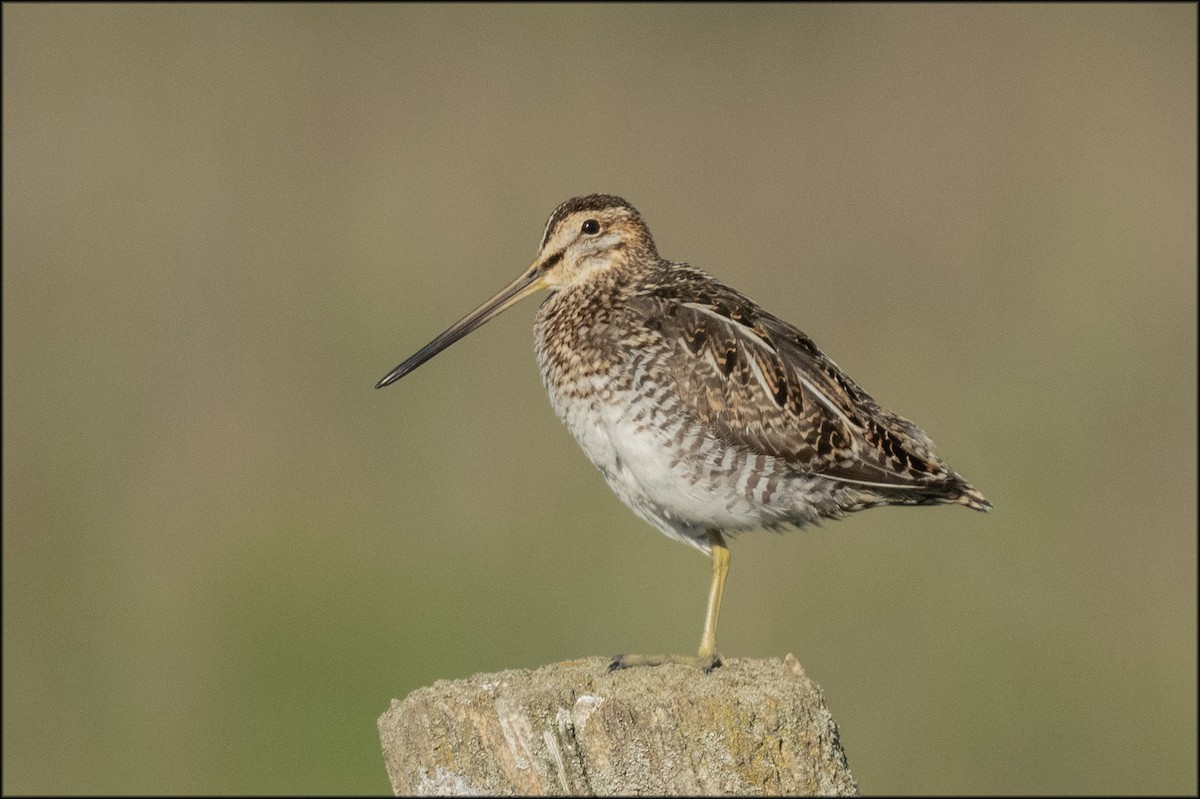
[707,659]
[720,569]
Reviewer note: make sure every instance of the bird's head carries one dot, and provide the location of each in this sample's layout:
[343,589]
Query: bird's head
[585,238]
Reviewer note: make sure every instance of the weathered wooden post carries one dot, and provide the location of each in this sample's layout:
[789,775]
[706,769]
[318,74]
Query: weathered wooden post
[750,727]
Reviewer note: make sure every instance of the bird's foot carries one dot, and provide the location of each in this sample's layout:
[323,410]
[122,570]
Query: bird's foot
[706,663]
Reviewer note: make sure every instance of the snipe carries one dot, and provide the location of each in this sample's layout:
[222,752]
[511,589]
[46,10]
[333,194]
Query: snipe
[706,414]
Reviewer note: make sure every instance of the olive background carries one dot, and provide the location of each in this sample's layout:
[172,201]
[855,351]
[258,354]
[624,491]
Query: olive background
[224,552]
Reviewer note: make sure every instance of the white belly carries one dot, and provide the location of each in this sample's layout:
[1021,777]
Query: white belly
[678,484]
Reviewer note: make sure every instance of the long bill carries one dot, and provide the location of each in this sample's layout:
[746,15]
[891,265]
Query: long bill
[530,281]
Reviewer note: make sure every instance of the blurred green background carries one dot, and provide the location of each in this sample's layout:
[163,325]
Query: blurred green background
[225,552]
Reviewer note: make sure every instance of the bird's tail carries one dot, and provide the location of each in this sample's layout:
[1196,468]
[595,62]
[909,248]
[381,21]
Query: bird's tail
[972,499]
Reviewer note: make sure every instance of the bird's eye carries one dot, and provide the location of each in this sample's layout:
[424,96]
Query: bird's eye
[591,227]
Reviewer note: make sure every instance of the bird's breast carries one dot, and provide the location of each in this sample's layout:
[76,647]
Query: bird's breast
[624,411]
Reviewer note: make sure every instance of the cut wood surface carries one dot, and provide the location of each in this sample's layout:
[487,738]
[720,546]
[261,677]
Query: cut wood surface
[751,727]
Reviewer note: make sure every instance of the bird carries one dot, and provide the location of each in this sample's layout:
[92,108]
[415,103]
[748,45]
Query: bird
[706,414]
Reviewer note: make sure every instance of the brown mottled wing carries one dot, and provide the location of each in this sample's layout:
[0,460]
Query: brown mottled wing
[759,383]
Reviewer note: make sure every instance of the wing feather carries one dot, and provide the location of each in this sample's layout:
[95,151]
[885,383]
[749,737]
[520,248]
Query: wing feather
[761,384]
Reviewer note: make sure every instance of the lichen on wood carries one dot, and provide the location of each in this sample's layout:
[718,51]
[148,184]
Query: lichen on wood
[751,727]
